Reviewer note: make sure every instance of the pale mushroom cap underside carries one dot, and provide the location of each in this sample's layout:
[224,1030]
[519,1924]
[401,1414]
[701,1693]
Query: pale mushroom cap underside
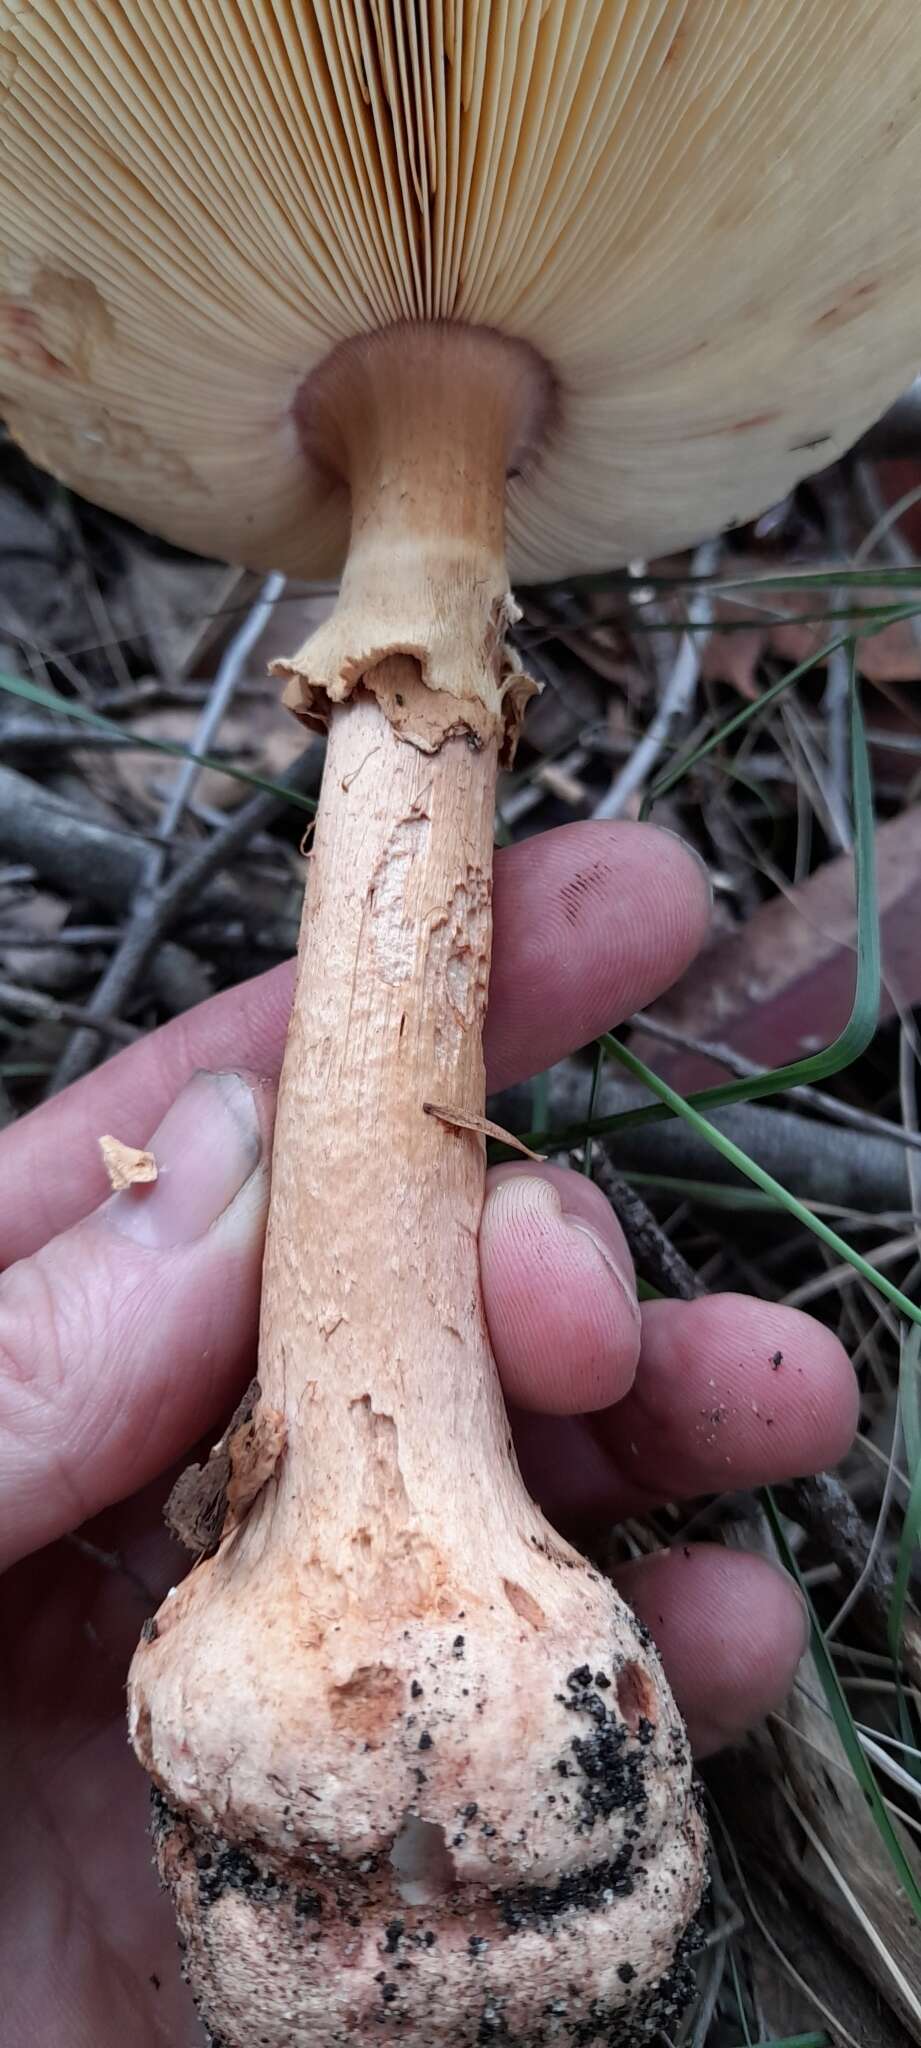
[701,213]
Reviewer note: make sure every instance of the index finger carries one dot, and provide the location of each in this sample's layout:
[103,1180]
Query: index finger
[591,922]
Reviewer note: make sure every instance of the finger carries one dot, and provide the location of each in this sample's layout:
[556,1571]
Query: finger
[729,1392]
[123,1338]
[591,921]
[558,1289]
[730,1629]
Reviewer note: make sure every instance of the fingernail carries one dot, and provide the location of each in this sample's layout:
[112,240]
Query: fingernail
[623,1277]
[686,847]
[522,1197]
[206,1148]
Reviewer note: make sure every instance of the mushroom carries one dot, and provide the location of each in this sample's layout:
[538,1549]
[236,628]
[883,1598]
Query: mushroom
[429,290]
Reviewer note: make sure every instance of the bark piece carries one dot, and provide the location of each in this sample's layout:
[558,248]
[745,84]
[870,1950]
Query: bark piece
[209,1500]
[71,852]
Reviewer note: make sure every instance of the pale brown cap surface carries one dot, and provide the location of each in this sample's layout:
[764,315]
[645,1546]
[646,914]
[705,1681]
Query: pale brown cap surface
[702,213]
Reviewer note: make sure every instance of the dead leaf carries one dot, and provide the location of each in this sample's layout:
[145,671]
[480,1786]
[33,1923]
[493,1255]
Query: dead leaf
[890,656]
[825,1841]
[781,985]
[842,1841]
[462,1120]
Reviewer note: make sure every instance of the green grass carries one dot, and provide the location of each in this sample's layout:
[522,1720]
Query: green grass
[597,1071]
[49,700]
[909,1411]
[836,1701]
[793,2041]
[765,1181]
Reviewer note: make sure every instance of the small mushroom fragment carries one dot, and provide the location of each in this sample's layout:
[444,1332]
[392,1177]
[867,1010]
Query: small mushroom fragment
[126,1165]
[430,291]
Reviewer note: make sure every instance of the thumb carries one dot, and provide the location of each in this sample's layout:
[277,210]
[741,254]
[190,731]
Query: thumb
[123,1339]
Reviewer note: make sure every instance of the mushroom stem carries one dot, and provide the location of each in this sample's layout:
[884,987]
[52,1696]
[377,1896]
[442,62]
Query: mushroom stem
[418,1764]
[372,1323]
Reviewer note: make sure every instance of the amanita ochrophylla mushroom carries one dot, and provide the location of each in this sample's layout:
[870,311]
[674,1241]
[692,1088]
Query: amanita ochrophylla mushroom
[429,290]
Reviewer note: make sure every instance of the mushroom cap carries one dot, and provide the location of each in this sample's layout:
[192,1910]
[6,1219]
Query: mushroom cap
[701,213]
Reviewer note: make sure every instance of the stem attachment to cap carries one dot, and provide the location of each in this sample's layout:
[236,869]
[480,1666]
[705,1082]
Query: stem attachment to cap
[424,424]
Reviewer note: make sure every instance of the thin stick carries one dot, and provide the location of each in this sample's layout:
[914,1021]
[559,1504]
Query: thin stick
[814,1098]
[655,1255]
[676,697]
[869,1571]
[229,671]
[33,1003]
[148,918]
[167,903]
[822,1503]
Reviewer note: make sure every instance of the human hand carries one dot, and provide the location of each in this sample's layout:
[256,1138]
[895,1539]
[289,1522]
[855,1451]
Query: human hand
[128,1330]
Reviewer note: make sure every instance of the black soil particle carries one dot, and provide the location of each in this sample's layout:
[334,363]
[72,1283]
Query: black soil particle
[609,1758]
[492,2026]
[655,2017]
[537,1904]
[232,1870]
[649,2023]
[222,1867]
[607,1765]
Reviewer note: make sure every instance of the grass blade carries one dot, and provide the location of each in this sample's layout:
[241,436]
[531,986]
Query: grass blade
[740,719]
[911,1525]
[843,1719]
[49,700]
[752,1171]
[597,1072]
[794,2041]
[882,577]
